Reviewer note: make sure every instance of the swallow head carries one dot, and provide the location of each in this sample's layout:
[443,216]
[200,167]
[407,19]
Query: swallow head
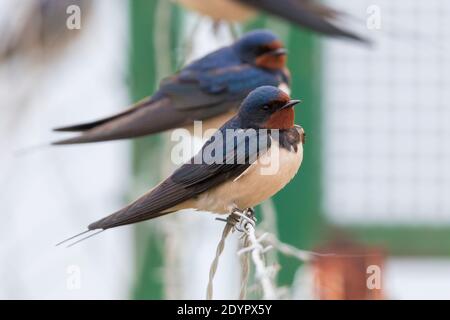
[267,107]
[262,48]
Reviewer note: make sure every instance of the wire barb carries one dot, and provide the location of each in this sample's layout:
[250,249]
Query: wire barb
[256,250]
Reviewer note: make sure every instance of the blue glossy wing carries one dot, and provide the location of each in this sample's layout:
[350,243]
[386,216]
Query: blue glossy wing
[192,89]
[193,178]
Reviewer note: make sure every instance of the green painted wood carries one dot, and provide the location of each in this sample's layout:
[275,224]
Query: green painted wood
[142,70]
[145,73]
[299,204]
[150,262]
[405,240]
[148,283]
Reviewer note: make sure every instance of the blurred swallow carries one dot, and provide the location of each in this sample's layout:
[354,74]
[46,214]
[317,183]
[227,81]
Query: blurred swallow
[209,88]
[309,14]
[41,29]
[236,178]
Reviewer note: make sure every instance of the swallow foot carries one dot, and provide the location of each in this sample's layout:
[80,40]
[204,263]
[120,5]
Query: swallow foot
[250,212]
[242,219]
[250,216]
[238,219]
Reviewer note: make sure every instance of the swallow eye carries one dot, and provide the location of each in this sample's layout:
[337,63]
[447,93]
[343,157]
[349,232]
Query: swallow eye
[263,49]
[266,107]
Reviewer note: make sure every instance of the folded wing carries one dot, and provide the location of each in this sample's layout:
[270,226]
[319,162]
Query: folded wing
[180,100]
[192,179]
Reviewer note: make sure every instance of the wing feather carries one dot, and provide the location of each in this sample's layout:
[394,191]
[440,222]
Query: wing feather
[306,13]
[190,180]
[216,86]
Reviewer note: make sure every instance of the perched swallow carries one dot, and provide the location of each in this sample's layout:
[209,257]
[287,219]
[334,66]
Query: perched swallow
[236,179]
[209,88]
[309,14]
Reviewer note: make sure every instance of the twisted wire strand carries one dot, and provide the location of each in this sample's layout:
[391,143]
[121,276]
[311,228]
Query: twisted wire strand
[231,222]
[245,269]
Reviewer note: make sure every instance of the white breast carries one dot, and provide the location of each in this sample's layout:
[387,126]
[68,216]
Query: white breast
[259,182]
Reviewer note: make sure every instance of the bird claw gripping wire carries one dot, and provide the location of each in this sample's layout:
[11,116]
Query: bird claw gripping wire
[244,217]
[239,218]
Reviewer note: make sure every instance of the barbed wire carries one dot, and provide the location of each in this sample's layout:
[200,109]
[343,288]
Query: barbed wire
[247,225]
[230,224]
[245,222]
[245,270]
[255,245]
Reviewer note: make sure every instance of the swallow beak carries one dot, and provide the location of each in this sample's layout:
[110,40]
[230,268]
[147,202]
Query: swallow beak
[291,103]
[278,52]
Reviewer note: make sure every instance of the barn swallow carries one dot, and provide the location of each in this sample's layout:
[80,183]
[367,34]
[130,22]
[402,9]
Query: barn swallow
[236,178]
[308,14]
[209,88]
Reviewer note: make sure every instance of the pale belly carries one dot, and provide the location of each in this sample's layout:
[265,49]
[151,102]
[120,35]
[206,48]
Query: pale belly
[259,182]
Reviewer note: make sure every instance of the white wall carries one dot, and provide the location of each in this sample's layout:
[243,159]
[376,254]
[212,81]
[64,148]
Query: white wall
[53,193]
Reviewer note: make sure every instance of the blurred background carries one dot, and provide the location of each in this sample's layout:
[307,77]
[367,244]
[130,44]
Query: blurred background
[374,184]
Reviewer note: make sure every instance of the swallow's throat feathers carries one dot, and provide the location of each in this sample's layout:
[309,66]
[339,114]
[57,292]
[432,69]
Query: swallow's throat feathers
[275,58]
[268,61]
[283,119]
